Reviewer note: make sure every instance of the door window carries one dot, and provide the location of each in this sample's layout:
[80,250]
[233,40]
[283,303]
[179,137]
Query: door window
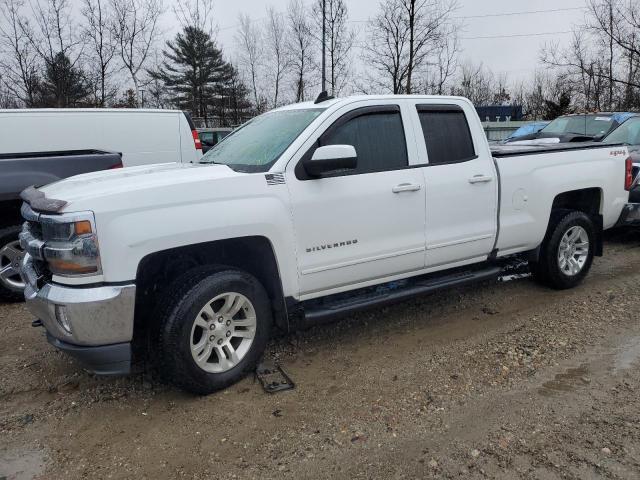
[378,138]
[446,134]
[376,133]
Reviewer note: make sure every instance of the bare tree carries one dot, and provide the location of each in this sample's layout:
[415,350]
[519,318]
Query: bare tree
[618,22]
[7,97]
[476,83]
[52,32]
[583,68]
[278,58]
[101,46]
[195,13]
[386,47]
[406,37]
[425,19]
[18,61]
[445,63]
[603,61]
[544,89]
[54,37]
[300,45]
[339,41]
[135,28]
[250,46]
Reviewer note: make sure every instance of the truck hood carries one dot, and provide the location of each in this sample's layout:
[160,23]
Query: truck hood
[119,181]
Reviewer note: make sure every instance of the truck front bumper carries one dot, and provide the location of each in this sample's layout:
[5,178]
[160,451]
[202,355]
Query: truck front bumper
[630,216]
[94,325]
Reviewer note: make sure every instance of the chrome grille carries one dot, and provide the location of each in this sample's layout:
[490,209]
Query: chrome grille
[31,239]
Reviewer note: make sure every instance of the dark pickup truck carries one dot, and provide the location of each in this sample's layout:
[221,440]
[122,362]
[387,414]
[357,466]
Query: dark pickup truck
[21,170]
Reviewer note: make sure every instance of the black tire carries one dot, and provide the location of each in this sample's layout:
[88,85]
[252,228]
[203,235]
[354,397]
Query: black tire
[547,270]
[177,312]
[9,235]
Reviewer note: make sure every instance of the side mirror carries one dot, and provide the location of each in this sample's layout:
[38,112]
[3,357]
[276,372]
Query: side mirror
[330,158]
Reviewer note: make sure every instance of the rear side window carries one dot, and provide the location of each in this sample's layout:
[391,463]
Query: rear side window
[208,138]
[446,133]
[378,138]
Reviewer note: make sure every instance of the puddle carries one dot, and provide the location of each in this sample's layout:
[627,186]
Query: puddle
[568,381]
[628,354]
[624,357]
[21,465]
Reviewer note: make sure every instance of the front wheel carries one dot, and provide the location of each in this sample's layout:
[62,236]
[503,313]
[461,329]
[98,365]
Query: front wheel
[567,251]
[214,328]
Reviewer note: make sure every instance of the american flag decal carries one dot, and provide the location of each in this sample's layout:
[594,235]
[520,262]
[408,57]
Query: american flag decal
[275,178]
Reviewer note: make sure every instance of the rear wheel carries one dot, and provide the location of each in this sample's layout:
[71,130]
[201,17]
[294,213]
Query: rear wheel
[567,251]
[214,328]
[11,285]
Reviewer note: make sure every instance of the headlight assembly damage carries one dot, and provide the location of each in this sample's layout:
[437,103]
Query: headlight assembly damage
[68,243]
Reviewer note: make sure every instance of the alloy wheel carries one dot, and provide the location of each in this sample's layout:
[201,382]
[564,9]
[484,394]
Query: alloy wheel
[223,332]
[11,256]
[573,251]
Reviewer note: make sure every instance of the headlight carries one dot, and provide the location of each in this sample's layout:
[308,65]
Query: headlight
[71,245]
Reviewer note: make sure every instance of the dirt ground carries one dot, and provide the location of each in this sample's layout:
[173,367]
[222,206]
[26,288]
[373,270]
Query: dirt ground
[507,380]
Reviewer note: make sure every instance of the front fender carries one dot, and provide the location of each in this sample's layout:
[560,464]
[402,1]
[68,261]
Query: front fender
[126,239]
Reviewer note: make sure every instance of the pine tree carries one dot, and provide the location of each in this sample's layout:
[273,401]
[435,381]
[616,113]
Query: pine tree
[63,85]
[194,70]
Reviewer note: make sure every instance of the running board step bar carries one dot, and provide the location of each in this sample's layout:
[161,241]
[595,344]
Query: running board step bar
[393,292]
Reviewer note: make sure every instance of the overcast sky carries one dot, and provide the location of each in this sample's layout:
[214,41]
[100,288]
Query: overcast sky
[515,55]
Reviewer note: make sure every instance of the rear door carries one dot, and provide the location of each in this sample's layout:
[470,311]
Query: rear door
[358,226]
[461,184]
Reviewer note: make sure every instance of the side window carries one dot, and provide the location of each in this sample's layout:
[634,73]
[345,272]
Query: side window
[378,138]
[446,133]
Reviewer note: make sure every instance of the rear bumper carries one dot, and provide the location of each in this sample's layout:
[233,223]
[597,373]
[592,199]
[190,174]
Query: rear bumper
[630,216]
[102,360]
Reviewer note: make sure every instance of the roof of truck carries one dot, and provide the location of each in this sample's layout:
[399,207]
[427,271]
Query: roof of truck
[356,98]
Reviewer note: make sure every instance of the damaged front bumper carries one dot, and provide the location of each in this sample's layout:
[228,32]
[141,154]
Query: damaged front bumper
[92,324]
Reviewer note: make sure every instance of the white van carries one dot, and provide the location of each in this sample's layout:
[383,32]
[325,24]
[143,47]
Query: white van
[143,136]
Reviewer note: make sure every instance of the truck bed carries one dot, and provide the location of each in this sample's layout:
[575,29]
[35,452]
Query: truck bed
[501,151]
[21,170]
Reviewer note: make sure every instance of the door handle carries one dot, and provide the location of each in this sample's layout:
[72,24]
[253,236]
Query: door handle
[406,187]
[480,179]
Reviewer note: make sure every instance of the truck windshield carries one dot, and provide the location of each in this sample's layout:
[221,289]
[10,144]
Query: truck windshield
[588,125]
[628,132]
[257,145]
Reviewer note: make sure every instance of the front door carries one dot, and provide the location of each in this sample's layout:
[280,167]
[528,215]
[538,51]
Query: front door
[365,224]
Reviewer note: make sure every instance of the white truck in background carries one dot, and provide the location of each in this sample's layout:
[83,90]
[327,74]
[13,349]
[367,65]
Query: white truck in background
[306,213]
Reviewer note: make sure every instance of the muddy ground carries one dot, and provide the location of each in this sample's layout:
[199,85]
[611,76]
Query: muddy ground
[501,381]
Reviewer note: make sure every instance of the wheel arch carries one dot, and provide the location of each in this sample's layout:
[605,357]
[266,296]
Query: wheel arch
[588,200]
[252,254]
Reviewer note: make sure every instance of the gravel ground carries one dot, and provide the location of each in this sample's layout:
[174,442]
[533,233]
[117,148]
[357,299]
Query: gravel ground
[505,380]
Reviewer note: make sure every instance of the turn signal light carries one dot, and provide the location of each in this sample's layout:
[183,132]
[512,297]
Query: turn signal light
[83,227]
[69,267]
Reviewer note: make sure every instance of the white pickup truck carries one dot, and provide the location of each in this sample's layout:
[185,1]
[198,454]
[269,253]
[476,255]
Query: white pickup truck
[305,213]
